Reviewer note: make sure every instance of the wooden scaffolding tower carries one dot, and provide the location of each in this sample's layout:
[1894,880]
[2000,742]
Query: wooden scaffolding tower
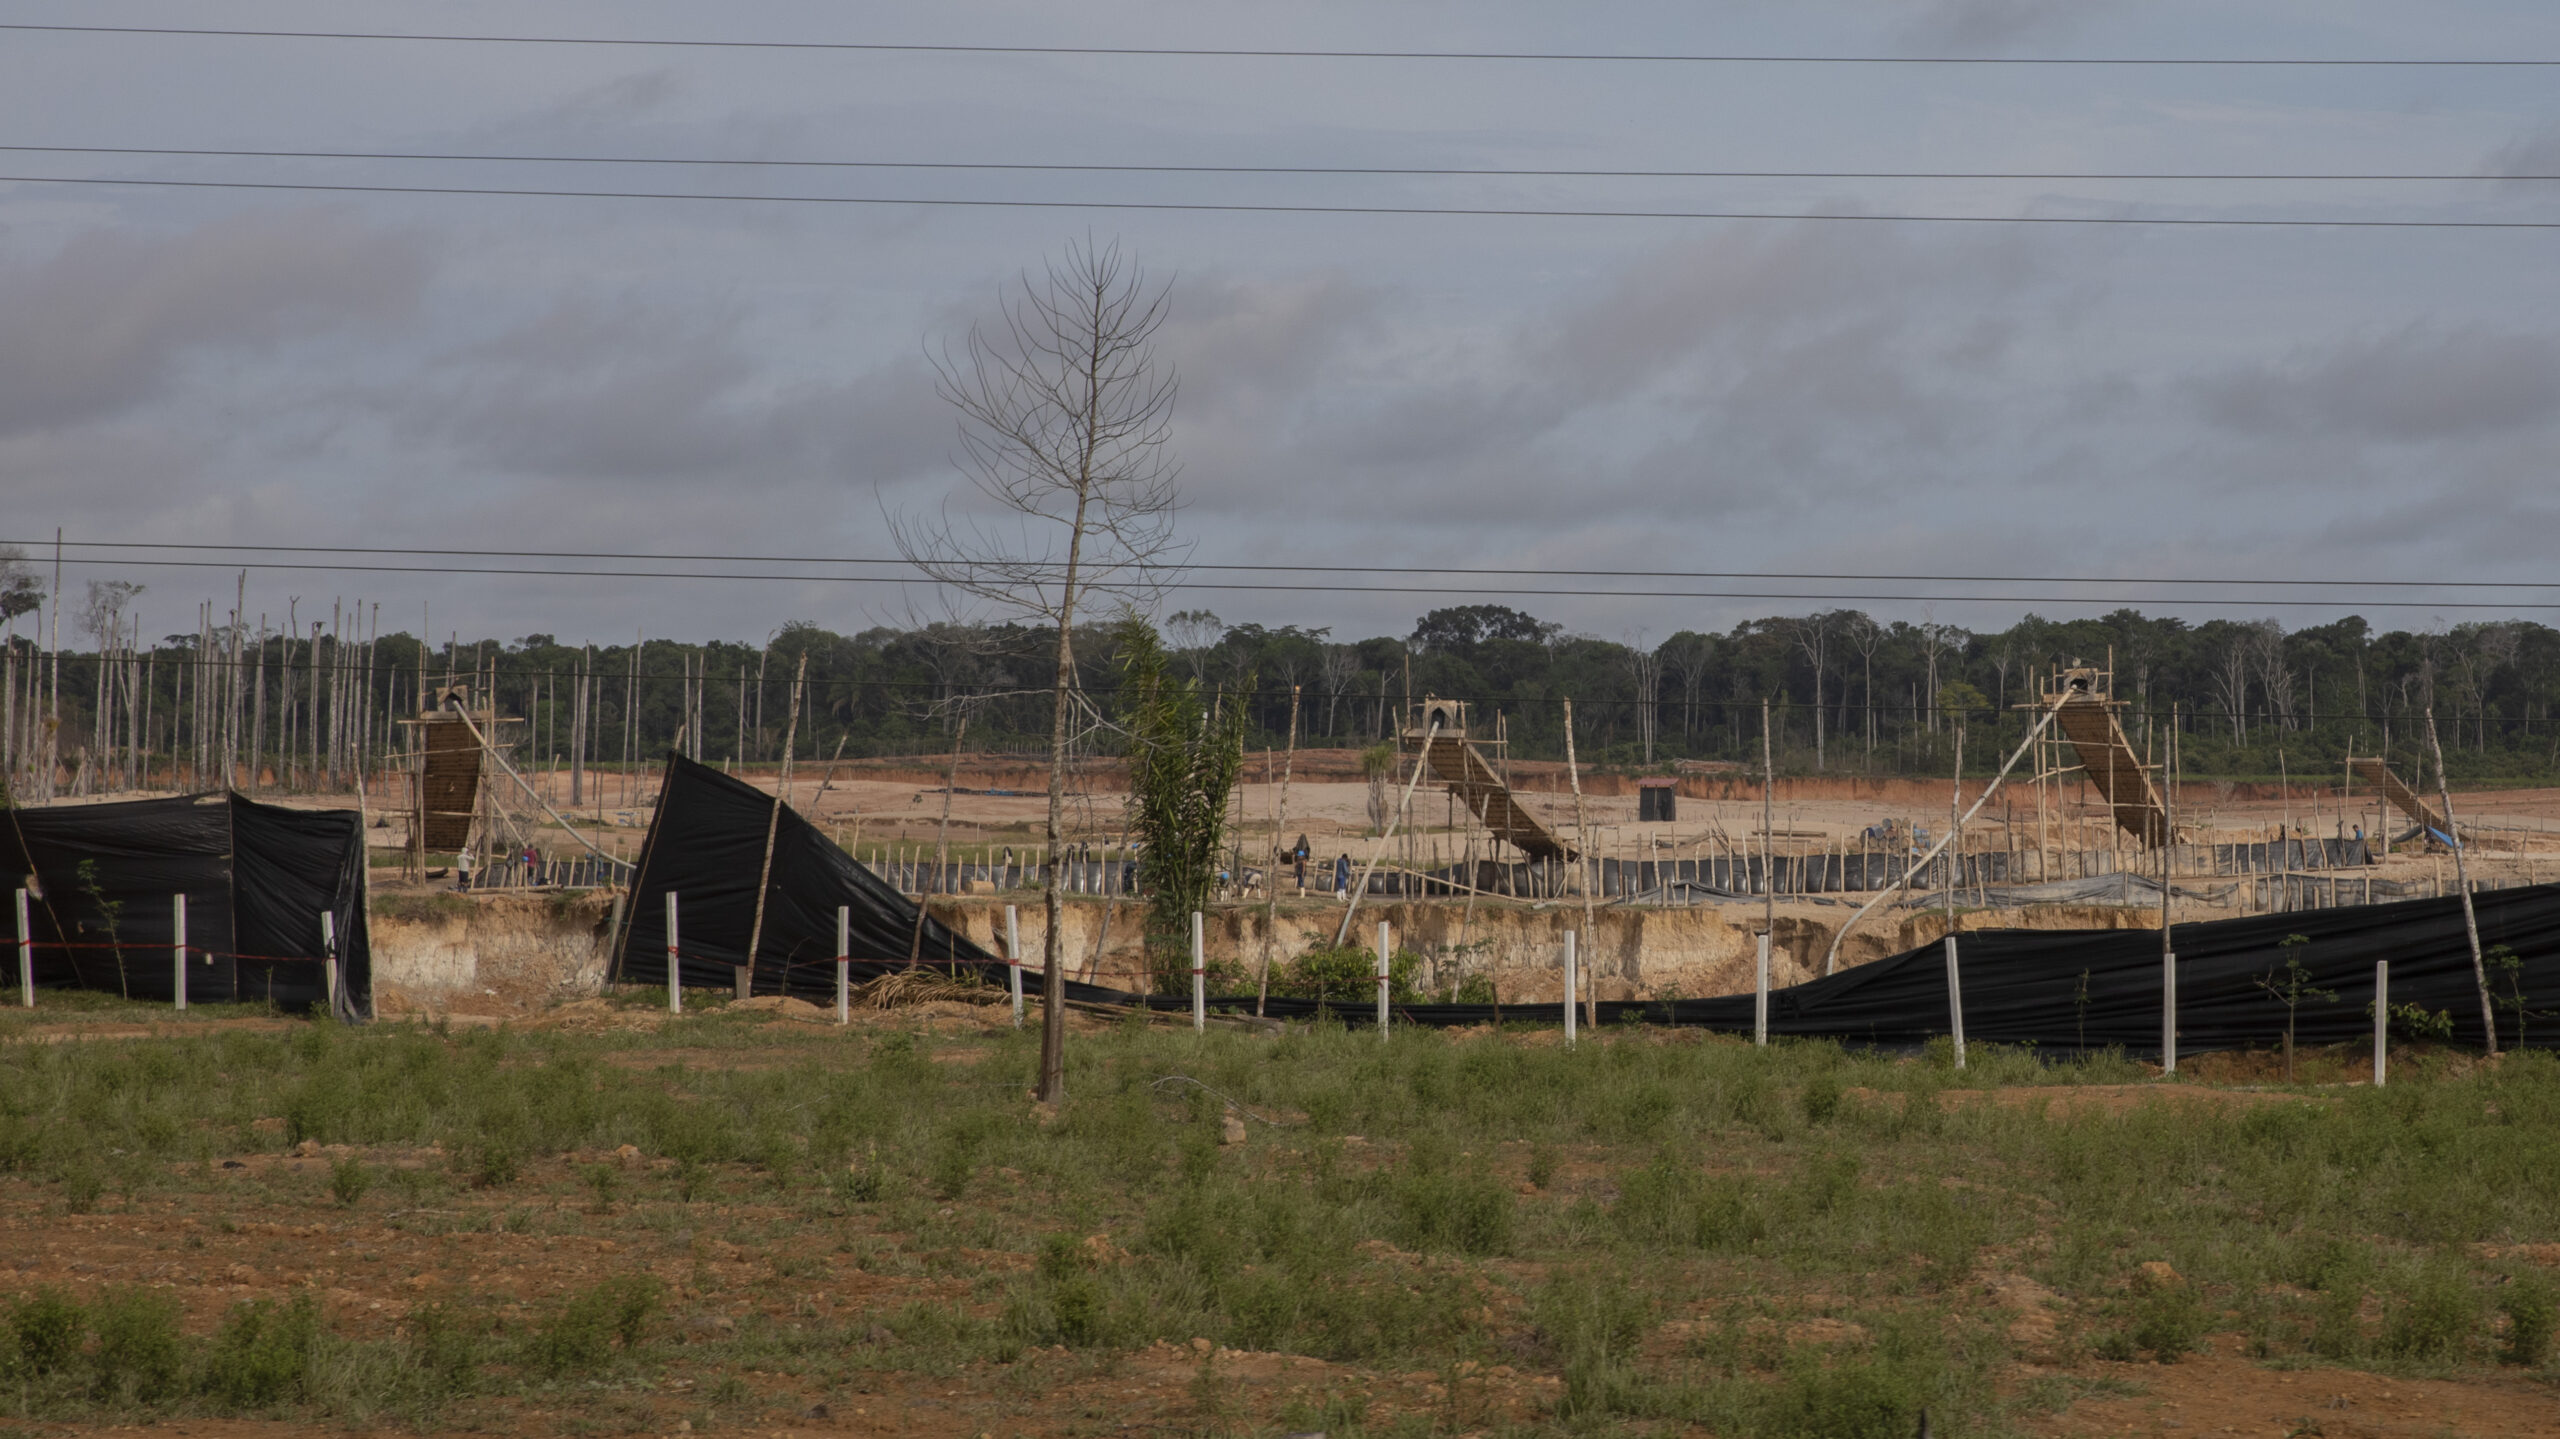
[1458,763]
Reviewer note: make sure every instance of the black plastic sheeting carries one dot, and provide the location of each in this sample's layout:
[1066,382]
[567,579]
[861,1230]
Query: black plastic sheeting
[2060,990]
[257,877]
[706,846]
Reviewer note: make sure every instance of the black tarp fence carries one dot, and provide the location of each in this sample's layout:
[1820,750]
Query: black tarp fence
[257,878]
[706,846]
[2059,990]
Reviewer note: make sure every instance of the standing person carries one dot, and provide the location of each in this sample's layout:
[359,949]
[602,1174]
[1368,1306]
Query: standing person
[1342,876]
[462,869]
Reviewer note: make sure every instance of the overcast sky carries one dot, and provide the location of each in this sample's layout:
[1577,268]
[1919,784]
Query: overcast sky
[1606,395]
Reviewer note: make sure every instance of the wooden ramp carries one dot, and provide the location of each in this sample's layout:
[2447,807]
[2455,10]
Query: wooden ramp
[2090,725]
[1469,776]
[2405,799]
[449,783]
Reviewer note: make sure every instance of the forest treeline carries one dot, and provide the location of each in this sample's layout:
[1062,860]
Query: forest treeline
[1847,694]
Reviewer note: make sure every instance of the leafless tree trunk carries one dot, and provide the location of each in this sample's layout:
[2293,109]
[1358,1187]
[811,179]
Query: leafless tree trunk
[1065,416]
[1813,636]
[1644,668]
[2231,686]
[1866,636]
[1341,667]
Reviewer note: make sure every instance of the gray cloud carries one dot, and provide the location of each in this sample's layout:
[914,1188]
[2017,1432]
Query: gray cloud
[1988,25]
[2537,153]
[100,326]
[2421,383]
[635,391]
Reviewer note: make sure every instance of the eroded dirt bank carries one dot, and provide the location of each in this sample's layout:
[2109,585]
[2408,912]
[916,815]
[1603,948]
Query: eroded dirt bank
[1629,953]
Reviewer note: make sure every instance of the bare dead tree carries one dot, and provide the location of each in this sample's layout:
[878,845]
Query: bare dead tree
[1065,417]
[1866,637]
[1644,672]
[1813,637]
[1340,666]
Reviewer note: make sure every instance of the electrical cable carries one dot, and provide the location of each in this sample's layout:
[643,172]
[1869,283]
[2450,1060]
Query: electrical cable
[1240,208]
[2352,602]
[1405,171]
[1245,53]
[415,550]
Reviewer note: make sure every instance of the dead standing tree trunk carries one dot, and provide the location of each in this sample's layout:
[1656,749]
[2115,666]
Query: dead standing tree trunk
[1065,418]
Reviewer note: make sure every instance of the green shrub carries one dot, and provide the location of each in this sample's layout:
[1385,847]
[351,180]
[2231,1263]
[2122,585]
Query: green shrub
[2167,1322]
[140,1353]
[604,1182]
[82,1186]
[1462,1212]
[1542,1166]
[348,1181]
[2337,1323]
[445,1342]
[1348,976]
[1848,1399]
[2530,1310]
[1593,1323]
[262,1354]
[2434,1317]
[47,1329]
[1821,1097]
[581,1335]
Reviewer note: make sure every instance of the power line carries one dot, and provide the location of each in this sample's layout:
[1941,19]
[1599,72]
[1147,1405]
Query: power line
[1244,53]
[2351,602]
[1400,568]
[1207,207]
[1387,171]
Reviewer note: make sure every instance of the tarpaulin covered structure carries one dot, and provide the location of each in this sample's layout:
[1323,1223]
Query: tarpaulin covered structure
[257,878]
[2061,990]
[2076,990]
[706,845]
[2070,990]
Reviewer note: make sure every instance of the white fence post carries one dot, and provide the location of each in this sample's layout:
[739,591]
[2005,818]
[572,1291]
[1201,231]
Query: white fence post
[844,964]
[1568,986]
[2381,1018]
[1382,981]
[1199,976]
[1760,998]
[1955,998]
[2168,1012]
[329,958]
[675,982]
[1013,958]
[26,956]
[178,949]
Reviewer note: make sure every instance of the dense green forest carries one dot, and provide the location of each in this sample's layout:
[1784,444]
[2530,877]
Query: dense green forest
[1848,694]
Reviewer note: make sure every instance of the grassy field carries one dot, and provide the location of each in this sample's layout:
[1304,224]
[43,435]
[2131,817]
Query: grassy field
[735,1221]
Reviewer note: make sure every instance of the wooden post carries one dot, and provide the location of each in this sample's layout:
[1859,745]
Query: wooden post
[329,958]
[1382,981]
[746,973]
[2462,882]
[177,947]
[1013,958]
[675,979]
[1568,986]
[1581,839]
[1768,823]
[1279,828]
[844,968]
[2381,1018]
[1760,997]
[26,956]
[1199,976]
